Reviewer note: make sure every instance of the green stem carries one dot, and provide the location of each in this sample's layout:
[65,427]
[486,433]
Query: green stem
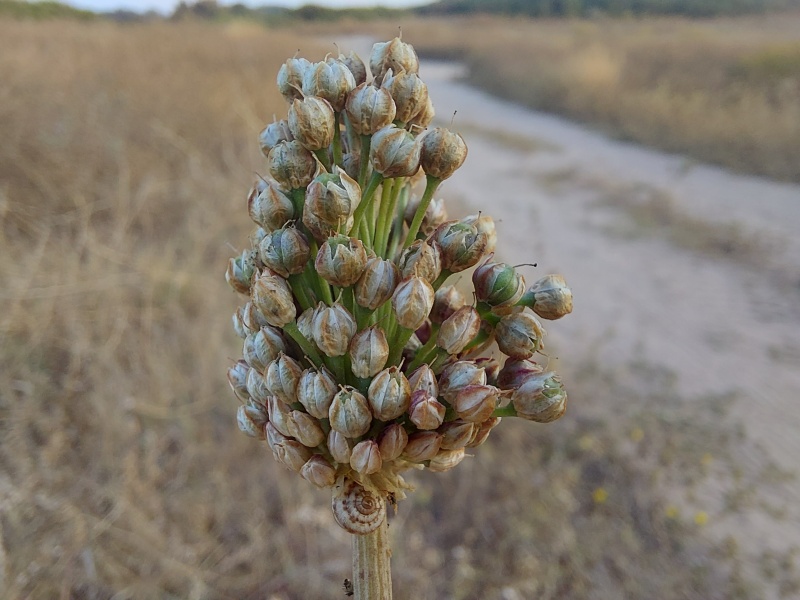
[485,311]
[430,188]
[528,299]
[298,198]
[299,287]
[366,200]
[363,168]
[337,140]
[441,279]
[400,341]
[382,227]
[309,348]
[424,352]
[505,411]
[339,372]
[322,156]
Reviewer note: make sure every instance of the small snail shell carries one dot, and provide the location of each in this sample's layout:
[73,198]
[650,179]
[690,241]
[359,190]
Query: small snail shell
[356,509]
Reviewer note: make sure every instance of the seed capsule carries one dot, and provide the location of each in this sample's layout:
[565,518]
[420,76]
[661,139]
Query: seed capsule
[285,251]
[306,429]
[491,367]
[459,330]
[422,446]
[341,260]
[422,260]
[274,437]
[461,244]
[423,378]
[331,80]
[443,152]
[252,418]
[389,394]
[366,458]
[425,411]
[394,152]
[370,109]
[395,55]
[262,347]
[377,283]
[339,447]
[446,460]
[353,62]
[482,431]
[305,323]
[333,197]
[409,92]
[424,117]
[498,284]
[240,272]
[447,300]
[519,335]
[552,298]
[282,378]
[476,403]
[349,413]
[457,376]
[257,387]
[238,323]
[273,134]
[540,398]
[272,296]
[315,391]
[318,471]
[515,372]
[412,301]
[292,454]
[485,226]
[290,78]
[392,441]
[456,434]
[271,207]
[311,121]
[279,416]
[333,329]
[369,352]
[237,378]
[292,165]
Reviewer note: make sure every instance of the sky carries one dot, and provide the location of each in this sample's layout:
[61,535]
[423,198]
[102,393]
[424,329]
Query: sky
[166,6]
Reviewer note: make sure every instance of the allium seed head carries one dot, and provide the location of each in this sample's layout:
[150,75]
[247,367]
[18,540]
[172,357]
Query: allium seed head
[443,152]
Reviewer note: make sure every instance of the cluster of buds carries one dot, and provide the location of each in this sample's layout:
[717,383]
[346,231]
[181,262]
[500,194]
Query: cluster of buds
[359,360]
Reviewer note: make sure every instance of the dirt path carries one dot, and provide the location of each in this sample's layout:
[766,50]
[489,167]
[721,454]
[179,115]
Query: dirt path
[683,267]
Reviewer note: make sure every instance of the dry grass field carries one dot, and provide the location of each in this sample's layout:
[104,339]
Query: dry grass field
[126,156]
[725,91]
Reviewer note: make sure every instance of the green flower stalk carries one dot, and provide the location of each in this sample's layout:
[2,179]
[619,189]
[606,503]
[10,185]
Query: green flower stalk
[359,361]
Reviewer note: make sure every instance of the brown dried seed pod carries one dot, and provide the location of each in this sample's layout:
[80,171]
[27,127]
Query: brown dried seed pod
[394,152]
[290,78]
[476,403]
[237,378]
[370,109]
[333,329]
[459,330]
[422,446]
[349,413]
[356,66]
[330,79]
[519,335]
[239,274]
[341,260]
[409,92]
[377,283]
[443,152]
[273,134]
[264,346]
[396,55]
[425,411]
[389,394]
[357,510]
[456,434]
[485,226]
[552,299]
[369,351]
[271,208]
[318,471]
[421,259]
[457,376]
[515,372]
[272,296]
[282,377]
[423,378]
[462,245]
[315,391]
[257,386]
[447,300]
[333,197]
[540,398]
[306,429]
[392,441]
[292,454]
[482,431]
[339,447]
[412,301]
[292,165]
[252,418]
[311,120]
[285,251]
[446,460]
[366,457]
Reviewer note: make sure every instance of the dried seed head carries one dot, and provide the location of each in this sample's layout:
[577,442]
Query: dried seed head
[498,284]
[389,394]
[540,398]
[311,121]
[252,418]
[519,335]
[273,134]
[285,251]
[333,329]
[409,92]
[447,300]
[366,458]
[319,227]
[318,471]
[485,225]
[412,301]
[315,391]
[272,296]
[341,260]
[240,272]
[333,197]
[339,447]
[331,80]
[459,330]
[292,165]
[369,352]
[422,446]
[257,387]
[425,116]
[377,283]
[282,377]
[446,460]
[461,244]
[482,431]
[305,323]
[349,413]
[370,109]
[491,367]
[515,372]
[456,434]
[262,347]
[459,375]
[279,416]
[443,152]
[435,214]
[423,378]
[395,55]
[271,207]
[253,319]
[238,323]
[392,441]
[394,152]
[290,78]
[353,62]
[291,453]
[421,259]
[306,429]
[552,297]
[476,403]
[274,436]
[425,411]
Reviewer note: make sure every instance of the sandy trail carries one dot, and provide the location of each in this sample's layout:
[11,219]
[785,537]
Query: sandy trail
[721,321]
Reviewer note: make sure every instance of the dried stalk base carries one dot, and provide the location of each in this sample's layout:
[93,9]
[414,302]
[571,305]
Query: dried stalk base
[372,570]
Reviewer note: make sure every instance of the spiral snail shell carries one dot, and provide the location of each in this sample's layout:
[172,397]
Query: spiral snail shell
[356,509]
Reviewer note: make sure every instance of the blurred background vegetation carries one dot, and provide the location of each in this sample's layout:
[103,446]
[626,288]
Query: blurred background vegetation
[128,147]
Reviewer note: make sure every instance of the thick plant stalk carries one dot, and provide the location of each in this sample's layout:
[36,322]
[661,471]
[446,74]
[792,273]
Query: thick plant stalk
[372,571]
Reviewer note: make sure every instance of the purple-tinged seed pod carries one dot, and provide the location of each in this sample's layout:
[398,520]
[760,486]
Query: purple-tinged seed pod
[333,329]
[515,371]
[389,394]
[482,431]
[366,457]
[425,411]
[349,413]
[476,403]
[392,441]
[319,472]
[377,283]
[412,302]
[459,330]
[369,351]
[519,335]
[422,446]
[315,391]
